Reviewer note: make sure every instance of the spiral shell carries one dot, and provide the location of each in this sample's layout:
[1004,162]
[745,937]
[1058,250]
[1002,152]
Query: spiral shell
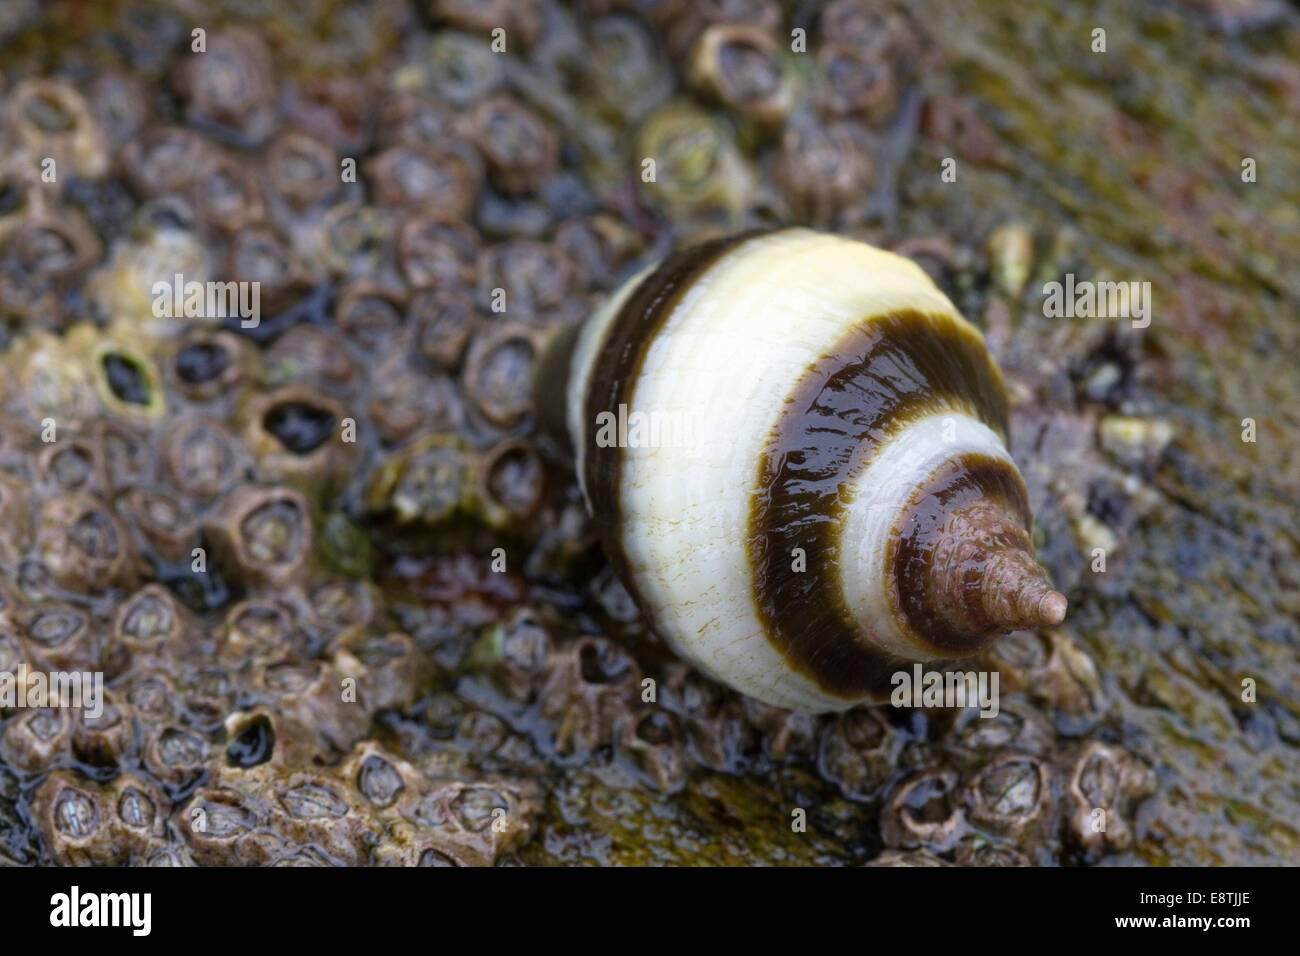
[843,502]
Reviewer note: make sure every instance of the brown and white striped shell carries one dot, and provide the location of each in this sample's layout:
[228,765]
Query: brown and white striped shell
[795,451]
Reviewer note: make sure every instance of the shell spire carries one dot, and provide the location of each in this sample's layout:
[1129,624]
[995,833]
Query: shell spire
[1016,597]
[984,579]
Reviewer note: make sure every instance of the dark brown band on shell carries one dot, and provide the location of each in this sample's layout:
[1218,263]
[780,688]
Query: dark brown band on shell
[617,364]
[883,376]
[973,510]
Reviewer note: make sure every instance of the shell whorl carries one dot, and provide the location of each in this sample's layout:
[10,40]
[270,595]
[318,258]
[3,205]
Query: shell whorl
[845,503]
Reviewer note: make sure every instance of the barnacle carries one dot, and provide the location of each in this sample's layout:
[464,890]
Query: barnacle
[697,163]
[303,171]
[52,119]
[265,533]
[443,323]
[232,84]
[822,168]
[742,67]
[521,151]
[415,177]
[439,252]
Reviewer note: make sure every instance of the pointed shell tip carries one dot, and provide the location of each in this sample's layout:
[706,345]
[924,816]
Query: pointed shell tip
[1051,610]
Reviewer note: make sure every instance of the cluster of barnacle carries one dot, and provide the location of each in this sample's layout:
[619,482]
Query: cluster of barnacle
[373,808]
[174,494]
[239,693]
[785,116]
[540,691]
[186,502]
[1021,806]
[1027,785]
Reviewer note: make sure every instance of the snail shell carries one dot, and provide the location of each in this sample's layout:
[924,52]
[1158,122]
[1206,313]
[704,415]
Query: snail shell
[845,504]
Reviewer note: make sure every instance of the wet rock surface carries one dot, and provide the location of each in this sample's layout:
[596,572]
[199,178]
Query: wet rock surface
[350,611]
